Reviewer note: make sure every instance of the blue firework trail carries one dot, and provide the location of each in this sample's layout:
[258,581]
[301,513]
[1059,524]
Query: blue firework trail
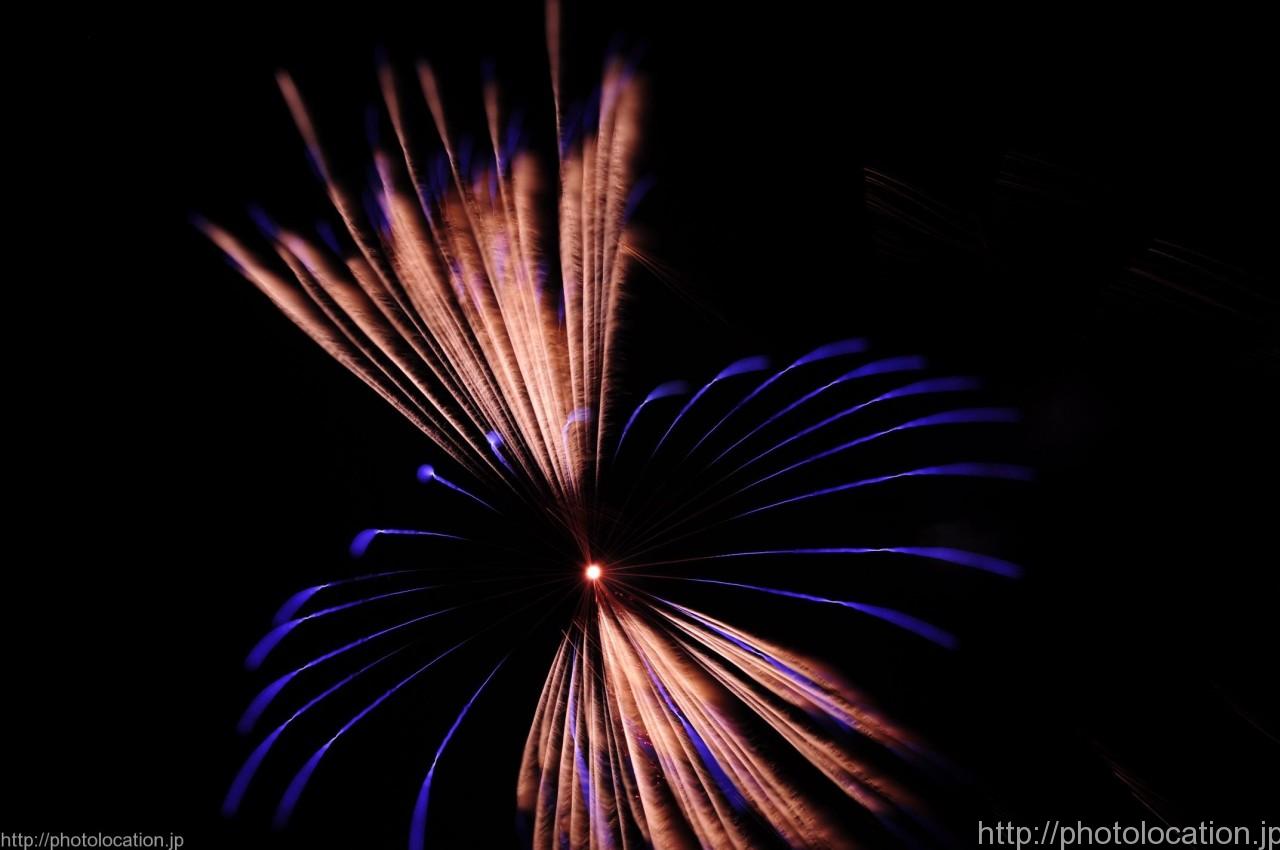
[732,500]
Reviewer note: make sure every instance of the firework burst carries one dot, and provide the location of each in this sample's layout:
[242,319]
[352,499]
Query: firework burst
[492,326]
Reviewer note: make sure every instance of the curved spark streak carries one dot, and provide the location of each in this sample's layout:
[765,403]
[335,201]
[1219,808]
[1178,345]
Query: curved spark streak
[235,794]
[969,416]
[954,417]
[928,387]
[360,543]
[268,694]
[965,470]
[880,367]
[427,473]
[294,603]
[271,639]
[826,352]
[928,631]
[960,557]
[418,827]
[744,366]
[670,388]
[299,783]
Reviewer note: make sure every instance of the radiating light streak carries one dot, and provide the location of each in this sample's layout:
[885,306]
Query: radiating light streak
[360,543]
[299,782]
[880,367]
[963,470]
[968,416]
[745,366]
[427,473]
[916,626]
[418,828]
[235,794]
[960,557]
[670,388]
[294,603]
[272,638]
[926,387]
[842,348]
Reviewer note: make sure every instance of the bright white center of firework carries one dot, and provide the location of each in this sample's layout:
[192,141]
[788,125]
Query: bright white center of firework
[593,572]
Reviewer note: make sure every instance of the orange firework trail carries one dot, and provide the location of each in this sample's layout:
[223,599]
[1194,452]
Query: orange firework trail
[445,310]
[492,327]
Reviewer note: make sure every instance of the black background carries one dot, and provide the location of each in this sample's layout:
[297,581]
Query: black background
[198,460]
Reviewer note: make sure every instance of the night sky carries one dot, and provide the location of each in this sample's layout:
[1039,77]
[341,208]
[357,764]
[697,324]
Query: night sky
[1087,224]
